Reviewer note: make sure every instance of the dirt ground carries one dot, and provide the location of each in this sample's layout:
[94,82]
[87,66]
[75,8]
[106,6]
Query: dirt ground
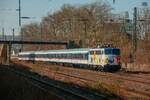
[129,86]
[14,87]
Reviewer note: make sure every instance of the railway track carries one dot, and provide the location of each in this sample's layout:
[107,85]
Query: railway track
[116,76]
[125,79]
[125,88]
[140,76]
[64,91]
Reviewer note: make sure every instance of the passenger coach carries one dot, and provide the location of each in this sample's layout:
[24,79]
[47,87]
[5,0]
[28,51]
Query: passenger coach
[103,59]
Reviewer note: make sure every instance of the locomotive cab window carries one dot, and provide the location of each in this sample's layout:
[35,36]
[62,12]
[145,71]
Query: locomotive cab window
[116,51]
[112,51]
[108,51]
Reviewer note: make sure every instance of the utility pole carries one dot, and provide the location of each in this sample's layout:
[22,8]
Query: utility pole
[13,34]
[19,13]
[41,32]
[134,34]
[3,33]
[21,35]
[84,36]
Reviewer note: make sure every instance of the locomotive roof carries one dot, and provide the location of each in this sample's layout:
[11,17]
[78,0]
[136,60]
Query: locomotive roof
[78,50]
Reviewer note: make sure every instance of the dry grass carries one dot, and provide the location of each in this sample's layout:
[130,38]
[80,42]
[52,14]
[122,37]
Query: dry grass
[138,67]
[109,88]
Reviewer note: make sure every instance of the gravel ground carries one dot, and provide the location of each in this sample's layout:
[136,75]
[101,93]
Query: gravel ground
[128,86]
[14,87]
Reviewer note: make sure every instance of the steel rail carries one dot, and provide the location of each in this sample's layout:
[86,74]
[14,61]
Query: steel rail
[69,93]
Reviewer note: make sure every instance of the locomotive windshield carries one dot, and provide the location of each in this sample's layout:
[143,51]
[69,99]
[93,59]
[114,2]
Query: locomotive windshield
[112,51]
[116,51]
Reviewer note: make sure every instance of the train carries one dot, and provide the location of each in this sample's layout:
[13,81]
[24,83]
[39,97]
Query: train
[102,59]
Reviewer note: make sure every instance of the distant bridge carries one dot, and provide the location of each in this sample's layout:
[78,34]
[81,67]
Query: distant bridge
[33,42]
[8,44]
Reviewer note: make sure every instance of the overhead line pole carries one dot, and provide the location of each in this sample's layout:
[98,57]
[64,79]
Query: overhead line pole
[21,35]
[135,34]
[3,33]
[19,13]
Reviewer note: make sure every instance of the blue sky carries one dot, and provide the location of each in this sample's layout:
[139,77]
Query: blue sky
[40,8]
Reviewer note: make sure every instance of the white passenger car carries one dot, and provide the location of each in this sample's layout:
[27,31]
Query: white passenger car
[106,59]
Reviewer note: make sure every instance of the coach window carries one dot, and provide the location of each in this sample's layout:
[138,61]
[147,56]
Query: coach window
[75,56]
[83,56]
[72,56]
[61,55]
[45,55]
[57,55]
[67,55]
[42,55]
[64,55]
[80,56]
[37,55]
[51,55]
[86,56]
